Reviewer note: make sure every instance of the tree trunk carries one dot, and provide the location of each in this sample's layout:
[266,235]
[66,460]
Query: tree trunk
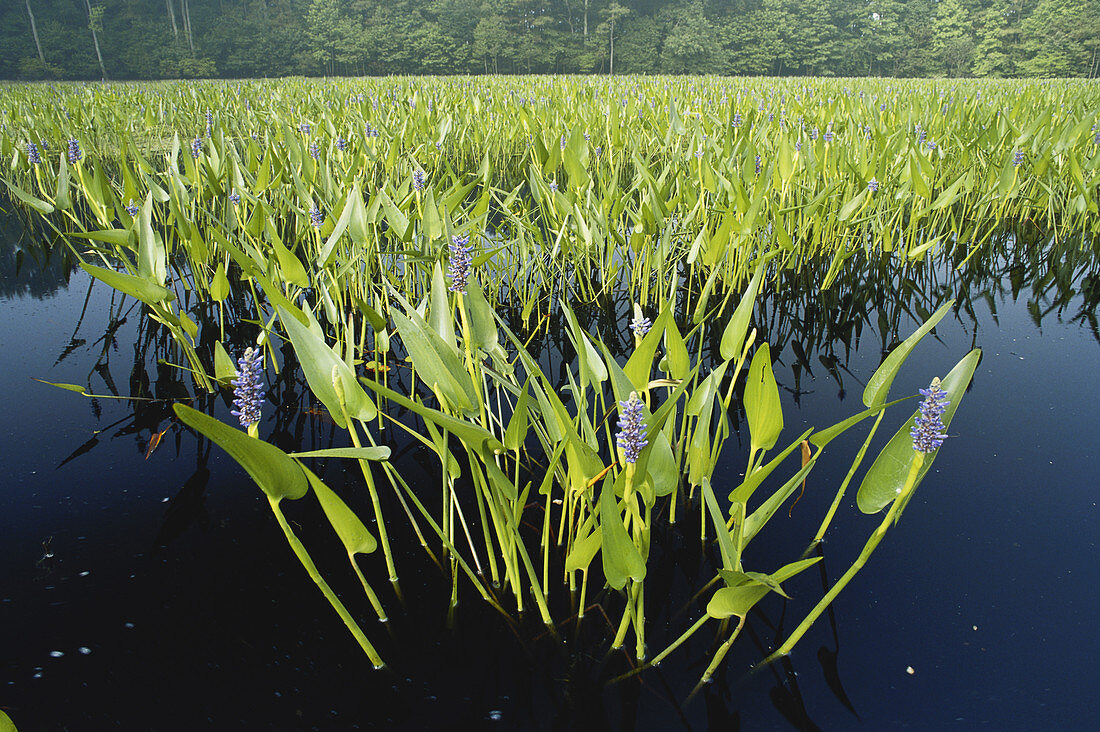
[611,66]
[172,17]
[586,20]
[95,39]
[185,11]
[34,32]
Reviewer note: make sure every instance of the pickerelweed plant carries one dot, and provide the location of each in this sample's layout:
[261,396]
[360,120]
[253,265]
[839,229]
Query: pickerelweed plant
[489,411]
[348,250]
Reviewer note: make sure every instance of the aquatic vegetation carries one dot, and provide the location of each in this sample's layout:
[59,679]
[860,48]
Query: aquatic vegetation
[412,270]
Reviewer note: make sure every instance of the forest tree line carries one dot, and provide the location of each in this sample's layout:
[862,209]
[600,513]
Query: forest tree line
[144,39]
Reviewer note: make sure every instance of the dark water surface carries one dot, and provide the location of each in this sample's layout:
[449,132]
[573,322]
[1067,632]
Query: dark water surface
[158,593]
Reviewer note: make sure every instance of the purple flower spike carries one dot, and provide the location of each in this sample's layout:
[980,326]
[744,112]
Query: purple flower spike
[249,391]
[75,153]
[460,262]
[928,428]
[32,154]
[631,438]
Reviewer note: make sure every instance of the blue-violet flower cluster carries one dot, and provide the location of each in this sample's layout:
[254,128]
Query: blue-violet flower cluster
[248,389]
[459,267]
[32,154]
[928,428]
[632,434]
[75,153]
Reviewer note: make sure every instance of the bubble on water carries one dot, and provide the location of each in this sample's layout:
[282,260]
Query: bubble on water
[496,715]
[85,573]
[84,650]
[128,626]
[56,654]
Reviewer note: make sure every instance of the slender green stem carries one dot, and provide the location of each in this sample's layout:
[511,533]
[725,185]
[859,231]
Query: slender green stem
[868,548]
[315,575]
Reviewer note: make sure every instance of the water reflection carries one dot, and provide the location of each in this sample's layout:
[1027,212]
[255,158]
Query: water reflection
[31,264]
[122,353]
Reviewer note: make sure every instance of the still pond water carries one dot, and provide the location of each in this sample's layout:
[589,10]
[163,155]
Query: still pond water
[156,592]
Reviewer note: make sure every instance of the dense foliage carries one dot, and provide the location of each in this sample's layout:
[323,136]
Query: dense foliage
[131,39]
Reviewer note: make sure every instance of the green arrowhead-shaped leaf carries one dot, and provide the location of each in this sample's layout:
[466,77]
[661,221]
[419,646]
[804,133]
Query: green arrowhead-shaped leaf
[147,292]
[763,409]
[730,601]
[887,474]
[878,386]
[274,471]
[733,338]
[621,559]
[354,535]
[318,361]
[34,202]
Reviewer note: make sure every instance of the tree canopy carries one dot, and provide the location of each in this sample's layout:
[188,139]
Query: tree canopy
[142,39]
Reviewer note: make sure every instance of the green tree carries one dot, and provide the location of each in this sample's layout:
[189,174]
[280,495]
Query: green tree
[952,37]
[1051,42]
[329,33]
[692,44]
[612,14]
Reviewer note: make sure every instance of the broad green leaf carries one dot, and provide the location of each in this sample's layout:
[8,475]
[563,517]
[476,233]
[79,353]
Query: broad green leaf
[117,237]
[34,202]
[6,725]
[224,369]
[437,364]
[679,362]
[290,266]
[878,386]
[483,327]
[353,534]
[737,601]
[274,471]
[147,292]
[584,551]
[516,432]
[318,361]
[441,312]
[152,257]
[733,338]
[763,409]
[621,558]
[887,474]
[219,284]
